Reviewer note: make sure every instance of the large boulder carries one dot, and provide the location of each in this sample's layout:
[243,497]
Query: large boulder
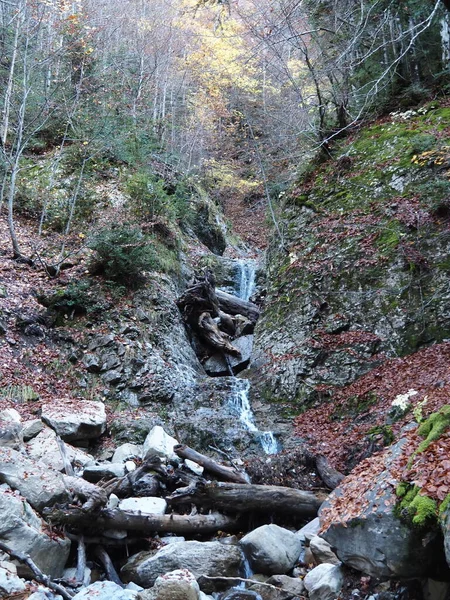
[201,558]
[445,526]
[11,429]
[22,530]
[10,584]
[75,419]
[44,448]
[271,549]
[35,482]
[359,522]
[217,364]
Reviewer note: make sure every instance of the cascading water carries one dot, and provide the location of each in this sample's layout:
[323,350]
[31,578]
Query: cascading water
[239,402]
[245,279]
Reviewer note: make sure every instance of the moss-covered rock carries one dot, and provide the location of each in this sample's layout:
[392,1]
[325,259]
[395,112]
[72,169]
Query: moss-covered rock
[363,274]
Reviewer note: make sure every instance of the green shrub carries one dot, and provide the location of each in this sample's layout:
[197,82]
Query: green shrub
[122,253]
[149,196]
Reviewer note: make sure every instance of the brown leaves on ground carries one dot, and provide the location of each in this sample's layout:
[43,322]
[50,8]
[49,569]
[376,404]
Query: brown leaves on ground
[339,427]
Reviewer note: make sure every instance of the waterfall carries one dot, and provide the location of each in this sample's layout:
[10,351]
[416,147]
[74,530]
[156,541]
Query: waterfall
[245,278]
[240,403]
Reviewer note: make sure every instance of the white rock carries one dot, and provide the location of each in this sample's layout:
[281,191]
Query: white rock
[9,583]
[113,502]
[172,539]
[11,415]
[75,419]
[105,590]
[160,443]
[130,466]
[146,506]
[44,448]
[322,551]
[324,582]
[194,467]
[126,452]
[175,585]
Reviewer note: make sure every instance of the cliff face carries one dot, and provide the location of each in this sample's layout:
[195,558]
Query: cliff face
[364,275]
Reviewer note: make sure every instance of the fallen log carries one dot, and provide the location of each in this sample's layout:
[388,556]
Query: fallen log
[234,497]
[210,465]
[211,333]
[329,475]
[232,305]
[145,524]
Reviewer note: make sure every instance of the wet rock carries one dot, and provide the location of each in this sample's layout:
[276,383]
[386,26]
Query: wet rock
[105,590]
[44,448]
[324,582]
[113,377]
[39,485]
[322,552]
[145,506]
[21,529]
[94,473]
[160,443]
[201,558]
[75,420]
[109,362]
[175,585]
[217,364]
[271,549]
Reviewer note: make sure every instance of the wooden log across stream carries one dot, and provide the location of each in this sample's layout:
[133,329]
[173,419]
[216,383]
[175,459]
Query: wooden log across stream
[234,497]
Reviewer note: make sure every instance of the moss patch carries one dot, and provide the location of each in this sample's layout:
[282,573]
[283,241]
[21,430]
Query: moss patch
[434,427]
[420,510]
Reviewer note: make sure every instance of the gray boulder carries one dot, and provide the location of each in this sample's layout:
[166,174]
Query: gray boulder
[308,531]
[271,549]
[22,530]
[32,428]
[324,582]
[217,365]
[283,588]
[445,526]
[35,482]
[75,419]
[201,558]
[176,585]
[105,590]
[368,536]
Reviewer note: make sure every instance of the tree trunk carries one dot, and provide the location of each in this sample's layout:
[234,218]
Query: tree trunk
[268,499]
[145,524]
[221,471]
[232,305]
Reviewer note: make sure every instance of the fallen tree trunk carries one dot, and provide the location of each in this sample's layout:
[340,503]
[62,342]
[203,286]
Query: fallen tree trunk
[329,475]
[232,305]
[210,465]
[145,524]
[234,497]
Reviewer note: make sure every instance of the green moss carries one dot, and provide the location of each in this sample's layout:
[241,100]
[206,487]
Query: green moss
[385,431]
[444,505]
[419,510]
[434,427]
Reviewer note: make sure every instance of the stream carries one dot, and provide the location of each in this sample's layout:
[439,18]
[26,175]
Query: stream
[245,284]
